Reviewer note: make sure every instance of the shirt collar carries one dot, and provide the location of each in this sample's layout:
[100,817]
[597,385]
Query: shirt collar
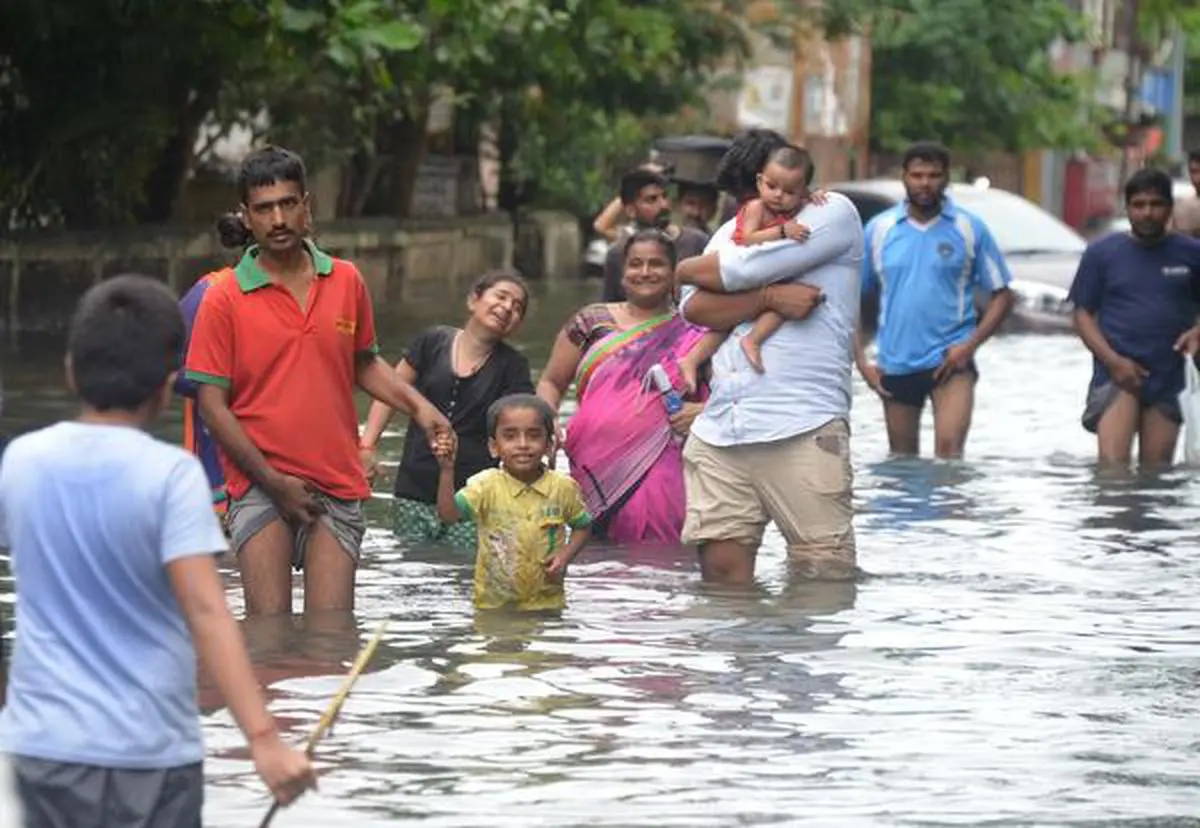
[251,276]
[517,487]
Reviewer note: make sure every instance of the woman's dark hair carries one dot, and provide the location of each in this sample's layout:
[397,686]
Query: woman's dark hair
[501,275]
[737,174]
[1155,182]
[652,234]
[261,168]
[930,152]
[126,338]
[530,402]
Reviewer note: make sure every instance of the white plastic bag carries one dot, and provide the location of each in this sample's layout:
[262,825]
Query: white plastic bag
[1189,404]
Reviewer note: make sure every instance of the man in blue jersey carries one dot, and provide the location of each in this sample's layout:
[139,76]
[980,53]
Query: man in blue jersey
[1136,302]
[926,258]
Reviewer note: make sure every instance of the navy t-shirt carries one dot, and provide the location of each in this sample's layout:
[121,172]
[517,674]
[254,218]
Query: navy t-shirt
[464,401]
[1144,297]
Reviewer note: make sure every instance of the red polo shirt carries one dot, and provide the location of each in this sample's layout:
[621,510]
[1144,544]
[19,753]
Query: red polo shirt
[290,370]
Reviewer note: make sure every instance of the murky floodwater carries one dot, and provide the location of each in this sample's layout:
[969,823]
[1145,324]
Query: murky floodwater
[1026,649]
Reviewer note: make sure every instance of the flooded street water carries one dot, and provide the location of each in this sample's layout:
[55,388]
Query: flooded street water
[1024,649]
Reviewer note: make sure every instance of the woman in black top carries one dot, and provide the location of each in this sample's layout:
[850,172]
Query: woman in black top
[462,371]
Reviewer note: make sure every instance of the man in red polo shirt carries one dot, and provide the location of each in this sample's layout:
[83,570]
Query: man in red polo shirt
[278,346]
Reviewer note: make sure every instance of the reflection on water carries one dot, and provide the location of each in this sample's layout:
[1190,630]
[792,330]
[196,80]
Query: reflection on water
[1025,647]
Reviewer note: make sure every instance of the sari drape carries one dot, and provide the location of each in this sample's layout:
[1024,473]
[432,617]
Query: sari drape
[622,451]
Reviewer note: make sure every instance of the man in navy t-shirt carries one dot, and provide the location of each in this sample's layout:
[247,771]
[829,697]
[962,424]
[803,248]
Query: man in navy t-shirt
[1136,300]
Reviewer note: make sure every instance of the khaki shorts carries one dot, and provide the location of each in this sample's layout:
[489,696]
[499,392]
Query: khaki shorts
[803,483]
[255,511]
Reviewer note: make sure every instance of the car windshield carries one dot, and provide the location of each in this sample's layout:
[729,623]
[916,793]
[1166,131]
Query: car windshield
[1019,226]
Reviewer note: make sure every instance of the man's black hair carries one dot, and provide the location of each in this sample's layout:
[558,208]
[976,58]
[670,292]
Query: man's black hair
[1149,180]
[1194,156]
[792,157]
[931,152]
[737,173]
[530,402]
[126,338]
[634,181]
[261,168]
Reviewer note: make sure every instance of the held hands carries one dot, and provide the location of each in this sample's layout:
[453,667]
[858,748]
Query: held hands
[445,449]
[370,460]
[432,422]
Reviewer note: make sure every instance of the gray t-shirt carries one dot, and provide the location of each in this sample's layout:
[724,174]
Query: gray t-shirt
[689,242]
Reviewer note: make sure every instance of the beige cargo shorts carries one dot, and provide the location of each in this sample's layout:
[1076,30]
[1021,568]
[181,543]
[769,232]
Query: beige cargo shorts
[804,484]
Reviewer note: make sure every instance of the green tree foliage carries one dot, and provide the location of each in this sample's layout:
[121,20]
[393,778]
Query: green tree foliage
[976,76]
[101,101]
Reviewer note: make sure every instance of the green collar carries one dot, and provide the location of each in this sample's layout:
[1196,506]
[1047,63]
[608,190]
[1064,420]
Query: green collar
[252,277]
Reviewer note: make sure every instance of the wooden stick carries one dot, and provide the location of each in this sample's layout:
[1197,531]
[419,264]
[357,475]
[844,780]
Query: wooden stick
[335,707]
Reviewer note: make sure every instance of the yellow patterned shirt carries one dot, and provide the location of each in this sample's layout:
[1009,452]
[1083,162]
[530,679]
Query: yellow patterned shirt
[520,526]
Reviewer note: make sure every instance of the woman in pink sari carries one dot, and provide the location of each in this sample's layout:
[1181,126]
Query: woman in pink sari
[625,452]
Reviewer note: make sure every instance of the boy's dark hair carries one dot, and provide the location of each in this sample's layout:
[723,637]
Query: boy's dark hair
[126,338]
[931,152]
[1194,156]
[737,173]
[792,157]
[652,234]
[490,278]
[634,181]
[531,402]
[261,168]
[1152,181]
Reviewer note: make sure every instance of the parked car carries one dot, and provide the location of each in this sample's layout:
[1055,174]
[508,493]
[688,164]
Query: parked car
[1042,252]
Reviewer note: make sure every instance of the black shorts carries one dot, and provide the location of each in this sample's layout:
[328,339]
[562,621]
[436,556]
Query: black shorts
[914,389]
[55,794]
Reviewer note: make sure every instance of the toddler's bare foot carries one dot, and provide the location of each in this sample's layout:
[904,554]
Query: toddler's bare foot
[753,352]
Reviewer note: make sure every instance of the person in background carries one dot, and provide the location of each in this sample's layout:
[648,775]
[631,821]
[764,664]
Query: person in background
[644,197]
[1185,217]
[697,205]
[925,259]
[1135,297]
[279,345]
[462,371]
[523,510]
[611,223]
[196,437]
[114,543]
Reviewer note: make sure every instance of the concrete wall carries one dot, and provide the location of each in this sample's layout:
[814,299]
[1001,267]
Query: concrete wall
[43,275]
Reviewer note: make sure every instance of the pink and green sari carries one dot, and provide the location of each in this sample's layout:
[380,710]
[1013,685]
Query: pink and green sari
[623,453]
